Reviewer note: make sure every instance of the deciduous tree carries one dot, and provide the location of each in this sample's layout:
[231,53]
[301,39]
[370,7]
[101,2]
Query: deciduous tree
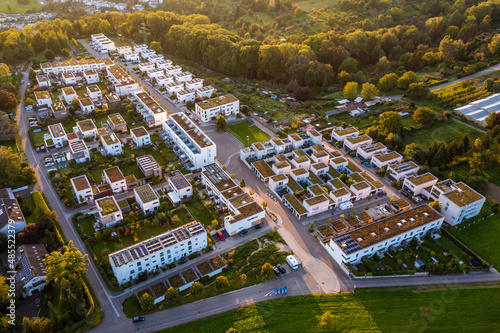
[351,90]
[390,122]
[221,123]
[266,269]
[424,116]
[369,91]
[221,283]
[146,301]
[65,263]
[388,82]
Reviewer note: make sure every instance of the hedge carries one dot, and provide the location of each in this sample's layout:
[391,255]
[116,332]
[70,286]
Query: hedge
[40,202]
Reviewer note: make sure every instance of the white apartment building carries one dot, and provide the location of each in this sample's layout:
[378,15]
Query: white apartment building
[198,150]
[78,151]
[43,98]
[164,64]
[111,144]
[186,95]
[131,56]
[226,105]
[420,184]
[123,49]
[173,70]
[140,136]
[153,253]
[43,81]
[91,76]
[146,54]
[102,43]
[244,211]
[140,48]
[155,72]
[381,160]
[146,66]
[164,80]
[108,211]
[194,84]
[86,105]
[341,134]
[365,241]
[30,268]
[87,128]
[147,198]
[82,189]
[458,201]
[11,215]
[94,93]
[123,83]
[75,66]
[152,112]
[68,78]
[205,91]
[402,170]
[68,94]
[156,58]
[181,187]
[367,152]
[353,143]
[174,87]
[57,135]
[114,178]
[183,77]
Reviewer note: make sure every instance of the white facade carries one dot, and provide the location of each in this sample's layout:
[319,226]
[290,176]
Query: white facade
[316,205]
[174,87]
[131,56]
[197,148]
[155,72]
[91,76]
[194,84]
[108,211]
[173,245]
[417,184]
[123,49]
[146,54]
[227,106]
[164,64]
[140,48]
[82,189]
[43,81]
[86,105]
[140,136]
[163,80]
[43,98]
[156,58]
[58,134]
[341,134]
[68,78]
[30,274]
[402,170]
[123,83]
[146,66]
[186,95]
[102,43]
[78,151]
[381,160]
[111,144]
[367,152]
[94,93]
[87,128]
[183,77]
[181,186]
[205,91]
[353,143]
[147,198]
[69,94]
[173,70]
[153,113]
[114,178]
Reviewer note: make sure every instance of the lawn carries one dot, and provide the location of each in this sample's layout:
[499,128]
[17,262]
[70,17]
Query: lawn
[406,309]
[441,131]
[309,5]
[37,138]
[16,8]
[245,129]
[199,212]
[482,236]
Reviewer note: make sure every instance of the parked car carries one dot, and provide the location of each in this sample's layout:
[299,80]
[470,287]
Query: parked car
[243,232]
[221,235]
[49,164]
[258,226]
[48,159]
[417,198]
[276,271]
[367,164]
[383,210]
[138,319]
[281,269]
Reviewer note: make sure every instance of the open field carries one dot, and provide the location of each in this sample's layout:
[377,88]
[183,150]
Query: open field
[407,309]
[245,129]
[314,4]
[443,131]
[16,8]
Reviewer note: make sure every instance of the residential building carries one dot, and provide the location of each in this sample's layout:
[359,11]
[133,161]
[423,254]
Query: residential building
[180,186]
[458,201]
[108,212]
[68,94]
[132,57]
[146,66]
[360,190]
[82,189]
[94,93]
[111,144]
[186,95]
[205,91]
[43,98]
[43,81]
[226,105]
[158,251]
[148,166]
[87,128]
[10,211]
[112,100]
[57,136]
[166,63]
[117,123]
[382,159]
[164,80]
[102,43]
[123,83]
[156,58]
[147,199]
[140,48]
[140,136]
[59,111]
[155,72]
[353,143]
[68,78]
[182,77]
[193,146]
[154,114]
[421,184]
[91,76]
[75,66]
[402,170]
[30,268]
[244,212]
[341,134]
[194,84]
[86,105]
[378,237]
[114,178]
[174,87]
[367,152]
[78,151]
[146,54]
[124,49]
[173,70]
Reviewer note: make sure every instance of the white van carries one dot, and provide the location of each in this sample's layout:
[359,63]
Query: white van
[292,261]
[345,205]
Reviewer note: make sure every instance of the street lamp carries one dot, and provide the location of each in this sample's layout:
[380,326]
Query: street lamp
[248,141]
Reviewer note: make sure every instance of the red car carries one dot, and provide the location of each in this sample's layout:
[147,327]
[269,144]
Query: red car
[221,235]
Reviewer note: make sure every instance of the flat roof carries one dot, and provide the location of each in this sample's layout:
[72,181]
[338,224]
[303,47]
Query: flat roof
[57,130]
[116,119]
[404,167]
[110,139]
[387,228]
[145,193]
[58,107]
[295,203]
[108,205]
[114,174]
[139,132]
[361,138]
[197,135]
[68,91]
[422,179]
[179,181]
[217,101]
[86,101]
[218,177]
[80,183]
[388,156]
[93,88]
[346,131]
[86,125]
[463,195]
[263,168]
[147,162]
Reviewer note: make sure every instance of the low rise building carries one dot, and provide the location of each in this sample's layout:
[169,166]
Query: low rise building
[111,144]
[155,72]
[148,166]
[30,268]
[108,212]
[154,114]
[205,91]
[367,152]
[132,57]
[226,105]
[124,49]
[146,66]
[117,123]
[115,179]
[353,143]
[82,189]
[91,76]
[402,170]
[43,81]
[378,237]
[140,136]
[57,135]
[102,43]
[68,94]
[183,77]
[11,215]
[59,111]
[146,54]
[78,151]
[173,70]
[341,134]
[94,93]
[147,198]
[140,48]
[123,83]
[43,98]
[154,253]
[112,100]
[174,87]
[421,184]
[186,95]
[180,186]
[86,105]
[87,128]
[166,63]
[163,80]
[194,84]
[68,78]
[156,58]
[383,159]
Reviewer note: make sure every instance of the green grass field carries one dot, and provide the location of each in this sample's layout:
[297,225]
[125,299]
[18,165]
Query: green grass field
[443,131]
[407,309]
[245,129]
[16,8]
[309,5]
